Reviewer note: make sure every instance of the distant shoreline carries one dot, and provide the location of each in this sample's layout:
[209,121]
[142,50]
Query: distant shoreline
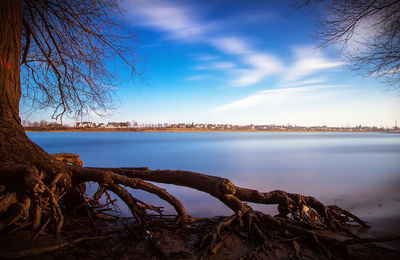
[197,130]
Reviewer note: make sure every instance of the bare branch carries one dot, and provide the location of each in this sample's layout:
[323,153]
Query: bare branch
[73,42]
[367,33]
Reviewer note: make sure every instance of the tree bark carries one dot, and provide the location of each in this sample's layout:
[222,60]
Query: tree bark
[13,140]
[15,146]
[10,52]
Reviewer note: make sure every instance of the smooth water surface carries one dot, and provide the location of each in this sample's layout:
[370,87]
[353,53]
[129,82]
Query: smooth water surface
[358,171]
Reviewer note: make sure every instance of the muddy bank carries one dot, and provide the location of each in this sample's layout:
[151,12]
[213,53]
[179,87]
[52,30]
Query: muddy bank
[113,238]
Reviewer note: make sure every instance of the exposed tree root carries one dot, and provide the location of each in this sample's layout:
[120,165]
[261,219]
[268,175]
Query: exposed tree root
[46,195]
[299,208]
[110,180]
[7,200]
[70,158]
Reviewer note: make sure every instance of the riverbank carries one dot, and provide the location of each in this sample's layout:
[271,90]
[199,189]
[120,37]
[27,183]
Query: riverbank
[201,130]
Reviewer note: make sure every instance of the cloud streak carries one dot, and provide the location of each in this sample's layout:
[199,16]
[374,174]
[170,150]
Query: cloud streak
[262,66]
[307,62]
[175,20]
[178,22]
[311,81]
[275,96]
[252,66]
[231,45]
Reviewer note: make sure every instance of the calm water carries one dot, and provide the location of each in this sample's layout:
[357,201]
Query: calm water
[358,171]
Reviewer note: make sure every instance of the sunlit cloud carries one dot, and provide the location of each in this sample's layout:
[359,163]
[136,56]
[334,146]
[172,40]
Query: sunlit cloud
[259,64]
[248,77]
[262,65]
[176,20]
[232,45]
[251,66]
[308,61]
[275,96]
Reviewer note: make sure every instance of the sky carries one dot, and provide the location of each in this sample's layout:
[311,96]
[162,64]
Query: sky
[240,62]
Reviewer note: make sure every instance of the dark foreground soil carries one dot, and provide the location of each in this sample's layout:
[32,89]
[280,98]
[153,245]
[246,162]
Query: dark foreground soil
[116,238]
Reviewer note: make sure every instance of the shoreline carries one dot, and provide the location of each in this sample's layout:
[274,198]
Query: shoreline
[191,130]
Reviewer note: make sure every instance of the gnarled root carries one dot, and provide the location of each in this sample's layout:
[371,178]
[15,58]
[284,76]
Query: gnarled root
[111,181]
[46,194]
[16,203]
[298,215]
[70,158]
[296,207]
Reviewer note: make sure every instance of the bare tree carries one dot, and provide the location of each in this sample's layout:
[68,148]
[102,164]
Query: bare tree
[368,34]
[64,47]
[68,48]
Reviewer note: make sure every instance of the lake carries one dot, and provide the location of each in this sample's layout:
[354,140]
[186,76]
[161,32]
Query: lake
[357,171]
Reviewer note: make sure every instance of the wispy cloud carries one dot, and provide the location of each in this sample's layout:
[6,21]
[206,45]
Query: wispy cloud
[232,45]
[276,96]
[308,60]
[179,22]
[251,66]
[176,20]
[262,65]
[220,65]
[311,81]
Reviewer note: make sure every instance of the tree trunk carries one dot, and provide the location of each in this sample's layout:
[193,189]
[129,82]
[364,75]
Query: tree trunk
[25,168]
[12,135]
[15,146]
[10,51]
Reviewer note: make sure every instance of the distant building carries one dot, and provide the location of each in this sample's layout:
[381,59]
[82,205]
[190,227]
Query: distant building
[117,125]
[85,124]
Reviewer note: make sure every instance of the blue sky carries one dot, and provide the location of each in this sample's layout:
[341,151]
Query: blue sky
[241,62]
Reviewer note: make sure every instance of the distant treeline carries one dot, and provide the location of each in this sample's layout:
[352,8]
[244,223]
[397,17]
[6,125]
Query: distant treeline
[182,127]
